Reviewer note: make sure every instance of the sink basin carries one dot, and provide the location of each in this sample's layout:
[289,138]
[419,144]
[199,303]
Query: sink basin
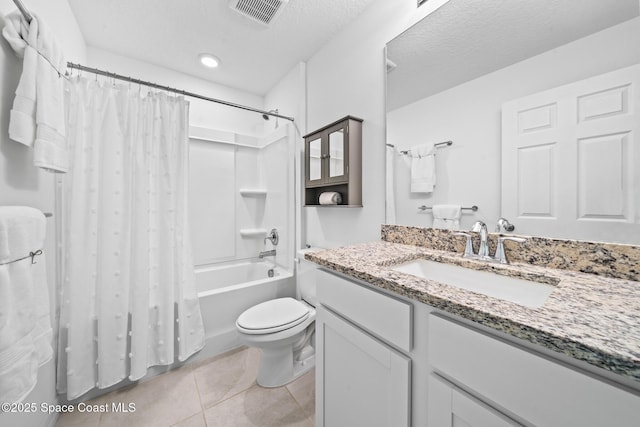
[520,291]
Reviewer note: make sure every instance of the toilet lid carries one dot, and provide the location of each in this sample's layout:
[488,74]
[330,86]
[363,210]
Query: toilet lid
[273,316]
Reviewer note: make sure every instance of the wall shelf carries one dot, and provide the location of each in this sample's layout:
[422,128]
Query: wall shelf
[333,162]
[253,233]
[253,192]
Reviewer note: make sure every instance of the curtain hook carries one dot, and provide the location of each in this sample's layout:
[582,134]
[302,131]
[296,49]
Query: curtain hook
[34,254]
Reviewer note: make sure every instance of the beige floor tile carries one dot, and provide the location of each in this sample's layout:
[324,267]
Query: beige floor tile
[78,419]
[226,375]
[162,401]
[258,407]
[195,421]
[303,390]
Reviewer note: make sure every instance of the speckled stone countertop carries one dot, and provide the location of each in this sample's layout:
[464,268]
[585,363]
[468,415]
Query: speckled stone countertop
[588,317]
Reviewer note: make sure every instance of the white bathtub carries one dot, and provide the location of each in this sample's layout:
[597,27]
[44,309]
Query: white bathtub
[227,290]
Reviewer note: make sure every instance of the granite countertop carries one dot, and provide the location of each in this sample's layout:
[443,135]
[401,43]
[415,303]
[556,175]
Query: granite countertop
[591,318]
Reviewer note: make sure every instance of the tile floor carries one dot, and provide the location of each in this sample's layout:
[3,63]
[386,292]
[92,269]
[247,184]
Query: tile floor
[220,391]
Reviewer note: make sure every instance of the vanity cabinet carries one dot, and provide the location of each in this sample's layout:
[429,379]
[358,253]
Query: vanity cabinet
[450,406]
[333,162]
[361,379]
[513,382]
[386,360]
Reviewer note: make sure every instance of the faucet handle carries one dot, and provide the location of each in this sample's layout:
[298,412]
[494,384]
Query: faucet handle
[468,248]
[501,255]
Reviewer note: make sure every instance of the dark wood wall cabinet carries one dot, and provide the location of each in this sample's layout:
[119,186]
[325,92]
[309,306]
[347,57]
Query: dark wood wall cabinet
[333,163]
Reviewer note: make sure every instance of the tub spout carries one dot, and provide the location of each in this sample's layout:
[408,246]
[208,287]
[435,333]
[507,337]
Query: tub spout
[263,254]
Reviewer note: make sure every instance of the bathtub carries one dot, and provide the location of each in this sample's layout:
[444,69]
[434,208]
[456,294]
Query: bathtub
[226,290]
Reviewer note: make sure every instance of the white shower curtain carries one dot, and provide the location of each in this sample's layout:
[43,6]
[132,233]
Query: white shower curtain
[128,298]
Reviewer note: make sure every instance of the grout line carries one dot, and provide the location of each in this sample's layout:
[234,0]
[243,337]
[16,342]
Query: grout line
[195,379]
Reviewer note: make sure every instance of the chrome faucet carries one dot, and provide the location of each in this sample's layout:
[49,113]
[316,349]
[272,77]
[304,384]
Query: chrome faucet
[481,227]
[483,251]
[263,254]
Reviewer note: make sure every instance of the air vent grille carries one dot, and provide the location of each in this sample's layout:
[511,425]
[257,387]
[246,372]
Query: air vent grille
[262,11]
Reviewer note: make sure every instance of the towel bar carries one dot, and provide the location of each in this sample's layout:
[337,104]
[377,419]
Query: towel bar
[473,208]
[437,145]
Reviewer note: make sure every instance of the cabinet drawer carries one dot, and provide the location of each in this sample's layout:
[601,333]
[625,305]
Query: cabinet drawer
[531,387]
[382,315]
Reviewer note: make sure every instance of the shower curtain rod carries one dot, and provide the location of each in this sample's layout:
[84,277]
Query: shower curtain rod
[170,89]
[27,15]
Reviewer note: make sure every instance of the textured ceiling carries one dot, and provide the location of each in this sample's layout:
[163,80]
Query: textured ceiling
[172,33]
[465,39]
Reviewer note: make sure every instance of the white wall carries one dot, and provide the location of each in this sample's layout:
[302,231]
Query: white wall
[469,171]
[347,76]
[21,183]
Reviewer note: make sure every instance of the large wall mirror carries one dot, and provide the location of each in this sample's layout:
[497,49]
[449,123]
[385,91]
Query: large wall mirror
[541,99]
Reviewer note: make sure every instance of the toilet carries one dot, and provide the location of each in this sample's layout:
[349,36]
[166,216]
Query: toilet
[284,330]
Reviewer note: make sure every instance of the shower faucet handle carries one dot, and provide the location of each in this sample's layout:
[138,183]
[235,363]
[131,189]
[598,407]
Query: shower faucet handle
[273,237]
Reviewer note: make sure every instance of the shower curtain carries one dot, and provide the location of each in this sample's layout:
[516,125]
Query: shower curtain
[128,298]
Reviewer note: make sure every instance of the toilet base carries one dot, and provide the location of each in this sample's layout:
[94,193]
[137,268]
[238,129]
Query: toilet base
[278,367]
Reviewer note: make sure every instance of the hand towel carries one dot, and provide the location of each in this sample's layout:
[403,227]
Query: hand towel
[25,326]
[446,216]
[330,198]
[37,116]
[423,168]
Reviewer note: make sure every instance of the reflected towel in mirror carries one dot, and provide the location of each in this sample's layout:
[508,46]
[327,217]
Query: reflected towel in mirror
[423,168]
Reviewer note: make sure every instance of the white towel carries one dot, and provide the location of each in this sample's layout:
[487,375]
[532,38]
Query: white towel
[423,168]
[330,198]
[25,326]
[446,216]
[37,116]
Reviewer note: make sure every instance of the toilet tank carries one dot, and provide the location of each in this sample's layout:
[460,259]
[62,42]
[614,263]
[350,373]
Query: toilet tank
[306,277]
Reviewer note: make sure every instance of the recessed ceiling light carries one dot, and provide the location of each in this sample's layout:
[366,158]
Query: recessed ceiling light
[209,60]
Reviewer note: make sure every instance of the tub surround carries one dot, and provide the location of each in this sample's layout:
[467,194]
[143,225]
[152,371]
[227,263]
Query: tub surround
[592,316]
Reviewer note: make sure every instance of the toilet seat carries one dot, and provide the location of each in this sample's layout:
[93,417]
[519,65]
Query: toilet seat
[272,316]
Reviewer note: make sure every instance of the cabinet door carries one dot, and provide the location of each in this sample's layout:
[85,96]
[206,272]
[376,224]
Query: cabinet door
[450,407]
[314,153]
[337,154]
[361,381]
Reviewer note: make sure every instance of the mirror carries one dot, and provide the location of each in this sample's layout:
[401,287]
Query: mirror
[336,153]
[315,161]
[450,76]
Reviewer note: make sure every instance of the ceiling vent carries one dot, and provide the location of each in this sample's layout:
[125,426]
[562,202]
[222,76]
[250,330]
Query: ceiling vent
[262,11]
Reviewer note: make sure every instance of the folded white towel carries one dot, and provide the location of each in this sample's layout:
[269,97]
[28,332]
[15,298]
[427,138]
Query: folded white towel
[446,216]
[423,168]
[25,326]
[330,198]
[37,116]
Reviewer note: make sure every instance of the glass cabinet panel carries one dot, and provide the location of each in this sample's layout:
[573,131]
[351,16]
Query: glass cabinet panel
[315,159]
[336,153]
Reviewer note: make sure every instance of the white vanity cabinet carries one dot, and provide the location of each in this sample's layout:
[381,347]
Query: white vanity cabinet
[361,379]
[387,360]
[451,407]
[504,378]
